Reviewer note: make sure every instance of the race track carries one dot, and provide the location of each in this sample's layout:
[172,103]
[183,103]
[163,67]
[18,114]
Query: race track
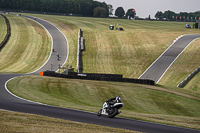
[161,65]
[13,103]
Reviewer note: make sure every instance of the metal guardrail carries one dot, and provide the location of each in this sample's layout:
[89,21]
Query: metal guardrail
[184,82]
[79,51]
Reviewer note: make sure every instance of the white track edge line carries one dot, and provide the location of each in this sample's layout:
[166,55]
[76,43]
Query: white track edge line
[52,45]
[160,56]
[38,102]
[65,39]
[50,52]
[177,58]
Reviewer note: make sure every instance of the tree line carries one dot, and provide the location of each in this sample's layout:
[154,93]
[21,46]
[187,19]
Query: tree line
[79,7]
[119,12]
[182,16]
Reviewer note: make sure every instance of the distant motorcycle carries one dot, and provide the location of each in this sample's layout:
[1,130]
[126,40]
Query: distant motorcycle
[110,108]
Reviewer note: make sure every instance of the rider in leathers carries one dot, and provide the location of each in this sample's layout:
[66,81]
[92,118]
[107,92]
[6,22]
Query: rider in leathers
[111,101]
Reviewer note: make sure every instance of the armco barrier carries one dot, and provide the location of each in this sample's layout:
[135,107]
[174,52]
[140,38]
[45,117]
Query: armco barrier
[79,56]
[184,82]
[99,77]
[80,48]
[2,44]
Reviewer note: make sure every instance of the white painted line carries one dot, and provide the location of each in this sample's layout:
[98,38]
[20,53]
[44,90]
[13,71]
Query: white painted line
[38,102]
[50,52]
[66,41]
[52,45]
[176,59]
[159,57]
[40,68]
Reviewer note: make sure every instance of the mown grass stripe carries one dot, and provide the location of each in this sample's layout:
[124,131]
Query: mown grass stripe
[27,49]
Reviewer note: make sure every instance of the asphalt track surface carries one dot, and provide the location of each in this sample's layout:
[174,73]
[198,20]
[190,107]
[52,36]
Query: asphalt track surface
[10,102]
[162,64]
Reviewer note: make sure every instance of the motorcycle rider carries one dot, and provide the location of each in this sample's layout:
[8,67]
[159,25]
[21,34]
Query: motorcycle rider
[111,100]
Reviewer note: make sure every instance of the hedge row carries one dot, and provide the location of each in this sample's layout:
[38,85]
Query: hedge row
[99,77]
[2,44]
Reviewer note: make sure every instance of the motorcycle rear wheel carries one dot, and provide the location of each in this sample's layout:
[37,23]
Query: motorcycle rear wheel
[113,113]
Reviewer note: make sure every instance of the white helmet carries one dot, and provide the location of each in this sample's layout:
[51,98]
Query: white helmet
[118,99]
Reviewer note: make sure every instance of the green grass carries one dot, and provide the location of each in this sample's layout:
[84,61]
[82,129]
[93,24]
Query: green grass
[3,28]
[27,49]
[11,122]
[187,62]
[142,102]
[128,52]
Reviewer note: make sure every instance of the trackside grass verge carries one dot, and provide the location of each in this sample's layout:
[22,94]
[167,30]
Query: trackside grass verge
[11,122]
[28,47]
[141,102]
[3,28]
[128,52]
[187,62]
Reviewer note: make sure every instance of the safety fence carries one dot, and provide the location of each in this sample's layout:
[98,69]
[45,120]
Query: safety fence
[184,82]
[80,48]
[98,77]
[2,44]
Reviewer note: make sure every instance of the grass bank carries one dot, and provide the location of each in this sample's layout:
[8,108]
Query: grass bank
[27,123]
[128,52]
[3,27]
[187,62]
[142,102]
[27,49]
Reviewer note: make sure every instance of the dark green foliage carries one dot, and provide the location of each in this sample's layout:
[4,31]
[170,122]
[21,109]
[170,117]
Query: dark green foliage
[81,7]
[100,12]
[131,13]
[182,16]
[159,15]
[120,12]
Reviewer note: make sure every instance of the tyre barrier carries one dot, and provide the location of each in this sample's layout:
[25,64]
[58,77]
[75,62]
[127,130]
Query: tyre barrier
[2,44]
[98,77]
[184,82]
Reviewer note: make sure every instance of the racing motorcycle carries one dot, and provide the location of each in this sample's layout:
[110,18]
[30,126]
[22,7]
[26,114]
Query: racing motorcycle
[110,108]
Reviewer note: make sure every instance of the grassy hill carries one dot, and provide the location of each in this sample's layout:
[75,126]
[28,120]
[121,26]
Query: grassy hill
[128,52]
[142,102]
[3,28]
[29,123]
[187,62]
[27,49]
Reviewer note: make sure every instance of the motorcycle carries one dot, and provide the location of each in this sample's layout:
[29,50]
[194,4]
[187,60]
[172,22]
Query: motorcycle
[111,109]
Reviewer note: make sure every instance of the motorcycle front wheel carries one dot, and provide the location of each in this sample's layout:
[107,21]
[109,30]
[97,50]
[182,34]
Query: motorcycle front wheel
[113,112]
[99,112]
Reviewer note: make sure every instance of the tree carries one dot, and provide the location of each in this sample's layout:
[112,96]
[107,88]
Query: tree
[81,7]
[131,13]
[110,7]
[159,15]
[168,14]
[120,12]
[100,12]
[149,17]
